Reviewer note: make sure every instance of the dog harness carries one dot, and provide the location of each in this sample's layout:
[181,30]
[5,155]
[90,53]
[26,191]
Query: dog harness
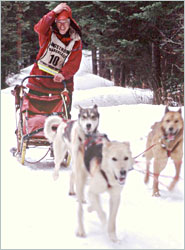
[93,150]
[164,146]
[105,177]
[170,151]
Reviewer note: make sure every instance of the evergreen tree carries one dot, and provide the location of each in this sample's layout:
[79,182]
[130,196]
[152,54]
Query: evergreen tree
[133,43]
[19,42]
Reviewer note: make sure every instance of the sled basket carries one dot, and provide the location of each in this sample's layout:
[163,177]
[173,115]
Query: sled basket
[37,109]
[33,111]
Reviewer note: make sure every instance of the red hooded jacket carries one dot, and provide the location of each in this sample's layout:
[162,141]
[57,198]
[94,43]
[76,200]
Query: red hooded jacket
[44,30]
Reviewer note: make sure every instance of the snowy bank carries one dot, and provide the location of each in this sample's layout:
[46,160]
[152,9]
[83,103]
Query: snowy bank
[109,96]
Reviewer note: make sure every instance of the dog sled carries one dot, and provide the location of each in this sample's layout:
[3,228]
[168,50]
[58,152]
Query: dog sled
[31,113]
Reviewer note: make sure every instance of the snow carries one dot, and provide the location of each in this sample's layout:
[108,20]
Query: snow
[105,96]
[38,213]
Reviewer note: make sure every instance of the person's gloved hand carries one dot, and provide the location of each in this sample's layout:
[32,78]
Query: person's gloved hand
[58,77]
[60,7]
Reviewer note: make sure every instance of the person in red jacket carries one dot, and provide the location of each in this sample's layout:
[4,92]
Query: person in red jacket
[60,52]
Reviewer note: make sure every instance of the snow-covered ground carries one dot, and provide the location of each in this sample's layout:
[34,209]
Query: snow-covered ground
[37,213]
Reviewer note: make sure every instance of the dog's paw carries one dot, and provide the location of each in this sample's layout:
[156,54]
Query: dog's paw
[81,233]
[82,201]
[72,193]
[156,194]
[172,185]
[103,219]
[146,179]
[113,238]
[90,209]
[55,176]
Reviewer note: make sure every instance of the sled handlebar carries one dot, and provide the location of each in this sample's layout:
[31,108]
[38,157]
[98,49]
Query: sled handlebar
[38,76]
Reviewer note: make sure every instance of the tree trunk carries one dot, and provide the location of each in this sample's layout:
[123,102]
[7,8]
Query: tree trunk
[116,75]
[19,35]
[156,72]
[116,72]
[94,61]
[107,73]
[123,75]
[101,63]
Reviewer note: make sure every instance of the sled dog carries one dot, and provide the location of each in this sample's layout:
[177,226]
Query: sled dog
[69,135]
[106,164]
[166,139]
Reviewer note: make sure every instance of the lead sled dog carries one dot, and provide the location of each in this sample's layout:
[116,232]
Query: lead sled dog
[166,140]
[106,163]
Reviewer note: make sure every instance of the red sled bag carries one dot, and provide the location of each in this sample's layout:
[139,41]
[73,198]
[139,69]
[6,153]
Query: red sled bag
[37,109]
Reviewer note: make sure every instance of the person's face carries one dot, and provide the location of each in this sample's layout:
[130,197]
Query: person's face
[63,26]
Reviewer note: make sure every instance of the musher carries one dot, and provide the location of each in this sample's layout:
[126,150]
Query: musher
[60,52]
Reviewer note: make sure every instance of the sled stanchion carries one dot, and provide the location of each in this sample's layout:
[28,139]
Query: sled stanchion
[64,98]
[23,153]
[65,107]
[68,160]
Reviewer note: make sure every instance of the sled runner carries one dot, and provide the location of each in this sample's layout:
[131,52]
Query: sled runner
[32,111]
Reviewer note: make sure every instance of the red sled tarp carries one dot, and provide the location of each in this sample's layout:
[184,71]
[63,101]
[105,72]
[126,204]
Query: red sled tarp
[39,107]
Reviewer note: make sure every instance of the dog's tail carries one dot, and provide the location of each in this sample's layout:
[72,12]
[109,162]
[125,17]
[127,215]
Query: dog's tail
[50,123]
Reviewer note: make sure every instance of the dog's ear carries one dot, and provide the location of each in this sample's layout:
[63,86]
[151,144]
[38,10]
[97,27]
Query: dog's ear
[79,107]
[95,106]
[167,110]
[107,144]
[180,111]
[127,143]
[80,110]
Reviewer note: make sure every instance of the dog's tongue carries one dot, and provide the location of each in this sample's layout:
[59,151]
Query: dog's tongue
[122,180]
[171,137]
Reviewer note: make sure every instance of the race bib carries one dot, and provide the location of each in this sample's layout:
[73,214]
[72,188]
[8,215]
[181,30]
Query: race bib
[55,55]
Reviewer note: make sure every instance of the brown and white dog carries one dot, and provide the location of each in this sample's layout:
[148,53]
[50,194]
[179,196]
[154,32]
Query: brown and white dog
[166,139]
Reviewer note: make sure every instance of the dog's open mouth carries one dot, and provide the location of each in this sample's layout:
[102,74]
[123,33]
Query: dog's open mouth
[121,180]
[171,136]
[89,130]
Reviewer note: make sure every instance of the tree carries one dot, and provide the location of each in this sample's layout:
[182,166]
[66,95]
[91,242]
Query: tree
[133,43]
[19,42]
[164,30]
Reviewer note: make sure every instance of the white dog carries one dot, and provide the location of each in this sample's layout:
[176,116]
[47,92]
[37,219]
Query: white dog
[107,164]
